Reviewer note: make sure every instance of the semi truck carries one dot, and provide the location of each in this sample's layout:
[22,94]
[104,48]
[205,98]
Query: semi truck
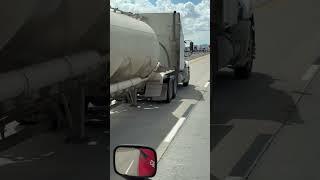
[234,30]
[53,61]
[146,56]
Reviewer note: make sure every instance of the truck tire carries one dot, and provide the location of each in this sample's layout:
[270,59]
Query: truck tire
[174,90]
[244,72]
[169,91]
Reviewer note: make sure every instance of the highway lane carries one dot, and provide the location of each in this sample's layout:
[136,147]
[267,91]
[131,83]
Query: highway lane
[150,122]
[187,156]
[247,113]
[294,152]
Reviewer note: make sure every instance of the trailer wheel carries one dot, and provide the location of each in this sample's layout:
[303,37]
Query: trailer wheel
[245,71]
[169,91]
[186,84]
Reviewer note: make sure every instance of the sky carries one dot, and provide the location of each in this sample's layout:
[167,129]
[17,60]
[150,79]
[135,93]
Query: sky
[195,14]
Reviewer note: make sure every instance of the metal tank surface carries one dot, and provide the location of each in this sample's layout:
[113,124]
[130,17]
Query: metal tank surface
[134,48]
[35,31]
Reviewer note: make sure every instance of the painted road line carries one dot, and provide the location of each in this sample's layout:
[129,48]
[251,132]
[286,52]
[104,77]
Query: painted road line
[309,74]
[92,143]
[129,167]
[48,154]
[234,178]
[207,84]
[6,161]
[167,140]
[173,132]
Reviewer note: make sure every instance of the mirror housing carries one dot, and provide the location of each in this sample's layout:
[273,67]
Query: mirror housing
[191,46]
[135,161]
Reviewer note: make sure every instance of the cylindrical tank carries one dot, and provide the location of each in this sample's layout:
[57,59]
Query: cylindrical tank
[134,48]
[34,31]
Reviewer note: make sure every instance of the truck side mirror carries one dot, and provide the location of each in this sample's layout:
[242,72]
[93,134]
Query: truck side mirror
[134,161]
[191,46]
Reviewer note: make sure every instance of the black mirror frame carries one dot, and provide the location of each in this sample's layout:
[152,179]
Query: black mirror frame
[134,146]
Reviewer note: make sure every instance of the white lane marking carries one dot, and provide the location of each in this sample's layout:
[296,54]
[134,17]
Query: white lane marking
[308,75]
[174,130]
[6,161]
[3,118]
[92,143]
[19,158]
[129,167]
[113,102]
[48,154]
[166,142]
[234,178]
[207,84]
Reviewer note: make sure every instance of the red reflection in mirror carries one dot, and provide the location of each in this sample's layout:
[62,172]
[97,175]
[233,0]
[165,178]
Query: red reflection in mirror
[147,162]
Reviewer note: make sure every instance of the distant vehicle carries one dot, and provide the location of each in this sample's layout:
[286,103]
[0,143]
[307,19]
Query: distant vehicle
[204,47]
[236,44]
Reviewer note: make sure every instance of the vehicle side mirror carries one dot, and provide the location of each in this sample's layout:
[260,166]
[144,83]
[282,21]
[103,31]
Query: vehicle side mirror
[191,47]
[134,161]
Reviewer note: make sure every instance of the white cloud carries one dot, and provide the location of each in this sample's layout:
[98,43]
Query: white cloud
[195,18]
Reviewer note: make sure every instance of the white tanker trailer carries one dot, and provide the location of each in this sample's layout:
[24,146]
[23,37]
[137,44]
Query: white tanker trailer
[53,56]
[146,56]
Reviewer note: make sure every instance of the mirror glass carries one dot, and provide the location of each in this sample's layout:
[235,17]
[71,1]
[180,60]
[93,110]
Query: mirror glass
[135,161]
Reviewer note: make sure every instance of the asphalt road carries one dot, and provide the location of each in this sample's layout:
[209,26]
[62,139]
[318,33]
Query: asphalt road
[150,122]
[187,156]
[127,161]
[248,114]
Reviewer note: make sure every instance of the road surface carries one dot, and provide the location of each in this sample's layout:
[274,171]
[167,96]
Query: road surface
[127,161]
[274,114]
[187,157]
[151,123]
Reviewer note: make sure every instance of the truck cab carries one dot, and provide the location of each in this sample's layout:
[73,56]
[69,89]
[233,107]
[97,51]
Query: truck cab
[174,69]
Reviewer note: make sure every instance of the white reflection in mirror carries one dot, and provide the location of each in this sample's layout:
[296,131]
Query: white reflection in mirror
[134,161]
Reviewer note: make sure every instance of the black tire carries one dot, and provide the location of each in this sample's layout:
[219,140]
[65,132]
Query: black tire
[169,91]
[245,71]
[174,90]
[185,84]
